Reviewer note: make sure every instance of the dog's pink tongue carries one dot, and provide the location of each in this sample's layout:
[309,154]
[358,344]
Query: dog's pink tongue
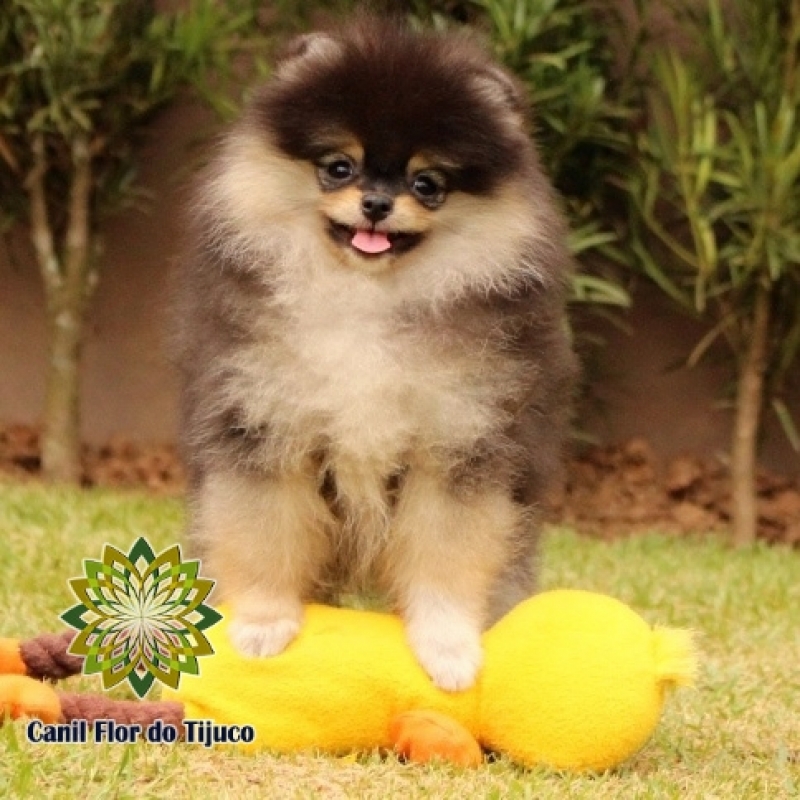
[371,241]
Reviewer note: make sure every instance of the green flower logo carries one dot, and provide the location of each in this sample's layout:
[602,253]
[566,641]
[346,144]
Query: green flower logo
[141,617]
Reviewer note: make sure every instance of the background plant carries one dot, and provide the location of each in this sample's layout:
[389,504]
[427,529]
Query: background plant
[79,82]
[716,204]
[578,82]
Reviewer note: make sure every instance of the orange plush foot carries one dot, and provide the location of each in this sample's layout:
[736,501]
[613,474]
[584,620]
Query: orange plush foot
[21,696]
[424,736]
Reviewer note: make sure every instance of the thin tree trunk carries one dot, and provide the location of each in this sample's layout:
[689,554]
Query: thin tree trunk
[749,398]
[69,281]
[61,446]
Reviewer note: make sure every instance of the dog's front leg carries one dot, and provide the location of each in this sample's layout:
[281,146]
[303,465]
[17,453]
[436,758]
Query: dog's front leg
[265,541]
[446,549]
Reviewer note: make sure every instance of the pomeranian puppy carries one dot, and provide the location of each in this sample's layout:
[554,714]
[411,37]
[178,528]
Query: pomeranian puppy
[376,370]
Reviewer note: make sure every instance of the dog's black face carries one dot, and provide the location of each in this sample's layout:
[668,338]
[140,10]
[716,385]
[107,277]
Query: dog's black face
[395,124]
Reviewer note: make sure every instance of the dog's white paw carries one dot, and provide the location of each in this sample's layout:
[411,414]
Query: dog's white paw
[266,638]
[452,657]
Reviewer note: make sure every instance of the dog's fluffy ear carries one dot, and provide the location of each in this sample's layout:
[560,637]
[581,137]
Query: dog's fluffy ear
[307,49]
[502,90]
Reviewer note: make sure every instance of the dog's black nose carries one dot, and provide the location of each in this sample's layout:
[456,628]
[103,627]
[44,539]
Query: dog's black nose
[376,206]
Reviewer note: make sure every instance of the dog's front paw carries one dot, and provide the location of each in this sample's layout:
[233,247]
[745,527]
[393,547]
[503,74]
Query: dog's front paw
[451,656]
[263,638]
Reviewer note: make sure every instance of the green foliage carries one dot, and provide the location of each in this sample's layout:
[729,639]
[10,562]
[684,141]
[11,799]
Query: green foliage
[101,69]
[561,51]
[716,192]
[564,53]
[79,82]
[298,15]
[583,103]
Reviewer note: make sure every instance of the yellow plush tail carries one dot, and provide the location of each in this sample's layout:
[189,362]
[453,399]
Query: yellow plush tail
[675,656]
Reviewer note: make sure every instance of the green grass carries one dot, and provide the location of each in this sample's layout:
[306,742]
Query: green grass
[737,735]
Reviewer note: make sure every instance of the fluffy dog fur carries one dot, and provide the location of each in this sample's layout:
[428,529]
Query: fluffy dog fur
[393,416]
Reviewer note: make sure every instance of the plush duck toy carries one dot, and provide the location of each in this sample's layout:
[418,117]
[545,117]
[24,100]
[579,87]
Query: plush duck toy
[571,679]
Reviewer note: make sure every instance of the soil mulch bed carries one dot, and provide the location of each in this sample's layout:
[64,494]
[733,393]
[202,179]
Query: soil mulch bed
[609,491]
[120,463]
[616,490]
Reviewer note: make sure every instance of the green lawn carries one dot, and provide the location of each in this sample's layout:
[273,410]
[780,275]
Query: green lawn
[737,735]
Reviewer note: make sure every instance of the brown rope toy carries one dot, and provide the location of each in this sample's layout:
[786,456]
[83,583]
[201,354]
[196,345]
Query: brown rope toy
[26,665]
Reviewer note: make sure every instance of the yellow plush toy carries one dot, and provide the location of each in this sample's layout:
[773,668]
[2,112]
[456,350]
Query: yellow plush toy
[571,679]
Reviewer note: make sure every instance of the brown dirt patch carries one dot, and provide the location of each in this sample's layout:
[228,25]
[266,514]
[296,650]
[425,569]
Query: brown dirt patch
[616,490]
[610,491]
[119,463]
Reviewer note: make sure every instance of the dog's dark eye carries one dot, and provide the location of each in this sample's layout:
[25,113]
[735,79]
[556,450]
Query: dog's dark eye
[425,186]
[428,187]
[338,170]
